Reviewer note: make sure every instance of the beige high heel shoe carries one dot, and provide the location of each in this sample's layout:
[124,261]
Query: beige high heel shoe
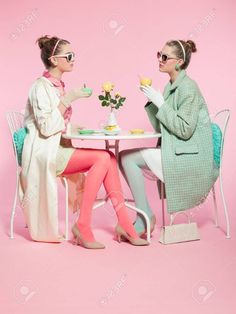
[122,234]
[80,241]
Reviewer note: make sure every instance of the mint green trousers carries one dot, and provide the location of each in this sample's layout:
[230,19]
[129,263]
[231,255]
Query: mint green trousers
[133,166]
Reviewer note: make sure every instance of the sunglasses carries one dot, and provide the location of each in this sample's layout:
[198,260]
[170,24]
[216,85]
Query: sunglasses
[70,56]
[164,57]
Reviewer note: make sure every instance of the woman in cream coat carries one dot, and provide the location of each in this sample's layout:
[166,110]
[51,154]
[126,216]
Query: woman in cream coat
[184,160]
[46,155]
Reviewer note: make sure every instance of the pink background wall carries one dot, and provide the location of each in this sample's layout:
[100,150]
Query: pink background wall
[117,41]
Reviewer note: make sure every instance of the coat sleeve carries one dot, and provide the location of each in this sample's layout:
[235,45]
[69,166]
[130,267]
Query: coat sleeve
[182,122]
[47,115]
[152,110]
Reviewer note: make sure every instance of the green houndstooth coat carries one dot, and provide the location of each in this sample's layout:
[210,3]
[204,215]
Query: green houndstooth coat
[186,144]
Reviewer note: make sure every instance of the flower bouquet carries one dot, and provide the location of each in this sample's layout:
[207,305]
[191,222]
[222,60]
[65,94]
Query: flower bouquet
[114,101]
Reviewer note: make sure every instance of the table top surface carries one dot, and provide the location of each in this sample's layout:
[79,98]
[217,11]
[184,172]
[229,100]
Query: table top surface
[123,135]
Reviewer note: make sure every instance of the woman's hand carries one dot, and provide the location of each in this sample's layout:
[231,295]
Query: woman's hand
[76,127]
[75,93]
[155,96]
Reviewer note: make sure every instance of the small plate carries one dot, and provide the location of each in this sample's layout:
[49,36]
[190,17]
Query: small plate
[115,132]
[86,131]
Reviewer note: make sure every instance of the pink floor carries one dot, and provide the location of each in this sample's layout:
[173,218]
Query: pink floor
[197,277]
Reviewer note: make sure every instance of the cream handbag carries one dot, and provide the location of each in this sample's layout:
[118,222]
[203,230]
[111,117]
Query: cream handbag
[176,233]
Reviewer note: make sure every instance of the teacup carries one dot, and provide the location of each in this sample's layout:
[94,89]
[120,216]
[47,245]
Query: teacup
[145,81]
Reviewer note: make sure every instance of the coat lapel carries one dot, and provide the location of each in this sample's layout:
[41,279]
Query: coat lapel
[171,87]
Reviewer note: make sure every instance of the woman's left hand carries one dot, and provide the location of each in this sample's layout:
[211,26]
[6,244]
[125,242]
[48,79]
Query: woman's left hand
[77,127]
[155,96]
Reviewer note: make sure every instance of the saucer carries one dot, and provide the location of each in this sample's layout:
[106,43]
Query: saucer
[114,132]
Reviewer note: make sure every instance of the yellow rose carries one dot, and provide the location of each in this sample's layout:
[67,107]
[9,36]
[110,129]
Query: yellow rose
[117,95]
[145,81]
[107,86]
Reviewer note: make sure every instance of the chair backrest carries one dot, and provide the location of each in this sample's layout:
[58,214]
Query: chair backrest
[221,118]
[15,121]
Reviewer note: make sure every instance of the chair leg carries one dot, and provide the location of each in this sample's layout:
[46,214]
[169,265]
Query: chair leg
[67,210]
[163,210]
[162,205]
[145,216]
[215,207]
[228,236]
[13,211]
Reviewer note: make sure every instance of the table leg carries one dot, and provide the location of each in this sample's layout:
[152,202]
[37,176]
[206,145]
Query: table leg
[116,147]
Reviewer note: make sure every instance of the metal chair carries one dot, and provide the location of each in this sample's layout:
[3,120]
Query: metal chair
[221,118]
[15,121]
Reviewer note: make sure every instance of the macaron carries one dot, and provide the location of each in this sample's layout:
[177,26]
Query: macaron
[86,131]
[137,131]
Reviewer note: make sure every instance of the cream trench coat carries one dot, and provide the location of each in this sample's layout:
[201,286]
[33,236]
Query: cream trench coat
[38,185]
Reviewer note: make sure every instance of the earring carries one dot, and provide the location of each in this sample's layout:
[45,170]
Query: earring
[177,67]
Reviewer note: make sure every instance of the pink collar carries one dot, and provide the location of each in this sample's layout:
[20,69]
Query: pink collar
[56,82]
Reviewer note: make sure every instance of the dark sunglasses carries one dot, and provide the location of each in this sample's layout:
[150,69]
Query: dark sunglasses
[164,57]
[70,56]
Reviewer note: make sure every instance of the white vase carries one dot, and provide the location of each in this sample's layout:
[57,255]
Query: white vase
[111,121]
[112,118]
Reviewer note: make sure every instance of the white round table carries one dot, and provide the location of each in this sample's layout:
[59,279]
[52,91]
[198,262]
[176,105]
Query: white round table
[123,135]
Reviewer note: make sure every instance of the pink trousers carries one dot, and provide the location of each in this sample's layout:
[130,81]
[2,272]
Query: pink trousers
[101,167]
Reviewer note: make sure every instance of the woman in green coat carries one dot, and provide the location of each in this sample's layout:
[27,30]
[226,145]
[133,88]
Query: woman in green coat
[184,160]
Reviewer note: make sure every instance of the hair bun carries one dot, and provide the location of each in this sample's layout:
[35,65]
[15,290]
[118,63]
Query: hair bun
[192,45]
[42,41]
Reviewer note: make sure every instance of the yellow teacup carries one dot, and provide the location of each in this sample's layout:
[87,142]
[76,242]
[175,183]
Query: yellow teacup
[145,81]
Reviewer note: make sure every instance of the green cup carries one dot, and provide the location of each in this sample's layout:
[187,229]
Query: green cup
[87,90]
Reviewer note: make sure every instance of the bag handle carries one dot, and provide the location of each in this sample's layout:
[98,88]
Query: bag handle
[172,217]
